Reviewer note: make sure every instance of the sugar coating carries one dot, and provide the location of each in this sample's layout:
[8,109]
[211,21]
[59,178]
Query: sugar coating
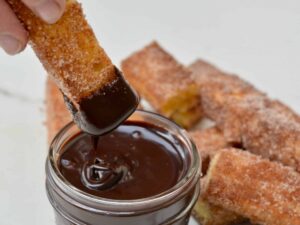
[68,50]
[216,90]
[246,115]
[271,132]
[267,192]
[156,75]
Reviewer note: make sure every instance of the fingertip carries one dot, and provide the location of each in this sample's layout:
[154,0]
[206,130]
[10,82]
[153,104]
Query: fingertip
[11,44]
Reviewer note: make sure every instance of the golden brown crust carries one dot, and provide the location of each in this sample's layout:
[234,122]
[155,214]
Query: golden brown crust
[68,50]
[266,192]
[244,114]
[164,83]
[57,115]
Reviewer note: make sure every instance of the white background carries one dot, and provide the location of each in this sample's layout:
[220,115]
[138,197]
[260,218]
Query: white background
[259,40]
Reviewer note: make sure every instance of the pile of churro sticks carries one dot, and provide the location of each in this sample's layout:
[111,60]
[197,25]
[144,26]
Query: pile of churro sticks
[250,153]
[251,156]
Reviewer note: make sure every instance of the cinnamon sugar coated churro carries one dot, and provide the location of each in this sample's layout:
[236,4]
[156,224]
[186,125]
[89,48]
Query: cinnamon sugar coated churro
[266,192]
[245,115]
[217,90]
[68,50]
[57,115]
[209,141]
[71,54]
[164,83]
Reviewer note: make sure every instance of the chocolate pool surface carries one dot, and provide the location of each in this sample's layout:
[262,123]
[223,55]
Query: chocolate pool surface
[134,161]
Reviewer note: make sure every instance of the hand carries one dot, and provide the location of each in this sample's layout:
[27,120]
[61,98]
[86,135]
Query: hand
[13,37]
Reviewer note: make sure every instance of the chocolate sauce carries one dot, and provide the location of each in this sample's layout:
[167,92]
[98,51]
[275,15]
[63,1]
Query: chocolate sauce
[106,109]
[136,160]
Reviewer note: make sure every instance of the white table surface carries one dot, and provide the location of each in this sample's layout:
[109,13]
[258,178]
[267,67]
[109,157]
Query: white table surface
[260,40]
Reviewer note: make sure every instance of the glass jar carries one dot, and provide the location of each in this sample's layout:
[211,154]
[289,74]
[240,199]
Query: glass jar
[73,206]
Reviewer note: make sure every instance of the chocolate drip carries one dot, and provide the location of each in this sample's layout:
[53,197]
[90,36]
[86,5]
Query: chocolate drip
[95,140]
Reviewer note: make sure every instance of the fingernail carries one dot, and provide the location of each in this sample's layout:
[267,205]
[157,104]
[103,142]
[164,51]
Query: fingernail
[49,10]
[10,44]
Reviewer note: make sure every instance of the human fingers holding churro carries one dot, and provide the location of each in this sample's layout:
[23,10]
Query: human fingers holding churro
[13,36]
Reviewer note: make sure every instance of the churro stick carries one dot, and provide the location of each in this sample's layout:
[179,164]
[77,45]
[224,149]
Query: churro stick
[245,115]
[95,91]
[209,142]
[217,90]
[164,83]
[57,115]
[266,192]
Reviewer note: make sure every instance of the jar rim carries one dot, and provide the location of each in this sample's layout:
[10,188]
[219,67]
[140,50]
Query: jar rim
[186,182]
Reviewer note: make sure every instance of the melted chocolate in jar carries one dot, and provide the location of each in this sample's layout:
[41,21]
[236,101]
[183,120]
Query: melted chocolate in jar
[105,110]
[136,160]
